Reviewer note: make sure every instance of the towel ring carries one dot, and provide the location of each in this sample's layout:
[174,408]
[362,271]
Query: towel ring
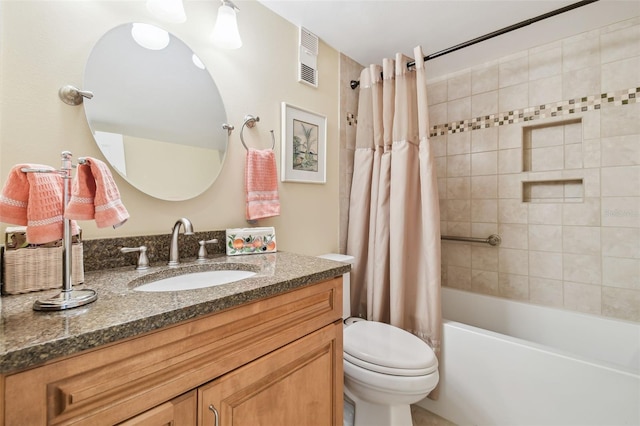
[250,121]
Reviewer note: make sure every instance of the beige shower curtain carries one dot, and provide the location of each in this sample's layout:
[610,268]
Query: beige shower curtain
[394,216]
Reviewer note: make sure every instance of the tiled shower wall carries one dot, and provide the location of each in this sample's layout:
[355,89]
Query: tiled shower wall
[543,148]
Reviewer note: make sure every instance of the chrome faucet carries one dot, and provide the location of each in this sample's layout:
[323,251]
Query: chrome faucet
[174,257]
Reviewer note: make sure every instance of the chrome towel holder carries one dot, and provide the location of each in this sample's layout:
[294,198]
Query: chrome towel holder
[69,297]
[250,121]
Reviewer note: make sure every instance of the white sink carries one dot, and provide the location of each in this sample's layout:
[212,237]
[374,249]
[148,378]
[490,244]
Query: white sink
[195,280]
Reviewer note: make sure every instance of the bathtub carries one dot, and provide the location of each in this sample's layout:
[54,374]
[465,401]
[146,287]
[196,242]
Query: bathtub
[510,363]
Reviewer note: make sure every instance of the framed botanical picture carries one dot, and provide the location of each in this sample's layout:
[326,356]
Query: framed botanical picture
[304,145]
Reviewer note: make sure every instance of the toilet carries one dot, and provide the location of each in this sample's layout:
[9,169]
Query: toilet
[386,369]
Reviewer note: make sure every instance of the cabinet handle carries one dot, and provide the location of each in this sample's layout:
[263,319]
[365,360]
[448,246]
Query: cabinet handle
[215,413]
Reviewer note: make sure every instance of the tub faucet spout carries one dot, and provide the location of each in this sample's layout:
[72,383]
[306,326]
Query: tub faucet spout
[174,256]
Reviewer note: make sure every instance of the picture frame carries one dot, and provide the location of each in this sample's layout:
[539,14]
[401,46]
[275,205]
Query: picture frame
[304,145]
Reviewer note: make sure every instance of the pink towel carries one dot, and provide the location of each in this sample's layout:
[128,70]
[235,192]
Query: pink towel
[35,200]
[261,184]
[94,195]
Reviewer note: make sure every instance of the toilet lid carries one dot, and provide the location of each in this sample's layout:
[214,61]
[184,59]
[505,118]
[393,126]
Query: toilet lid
[390,350]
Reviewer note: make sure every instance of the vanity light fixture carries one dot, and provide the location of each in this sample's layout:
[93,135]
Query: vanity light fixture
[225,31]
[167,10]
[149,36]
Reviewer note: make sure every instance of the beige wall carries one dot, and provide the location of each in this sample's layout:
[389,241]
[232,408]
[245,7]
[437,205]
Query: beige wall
[571,237]
[190,163]
[45,45]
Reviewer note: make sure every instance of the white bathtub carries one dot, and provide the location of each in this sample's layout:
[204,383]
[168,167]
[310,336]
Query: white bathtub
[510,363]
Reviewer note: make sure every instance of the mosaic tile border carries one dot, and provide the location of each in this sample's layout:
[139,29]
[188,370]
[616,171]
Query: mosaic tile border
[555,109]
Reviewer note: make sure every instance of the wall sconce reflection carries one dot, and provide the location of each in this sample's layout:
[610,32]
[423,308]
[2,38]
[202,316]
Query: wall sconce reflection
[197,62]
[149,36]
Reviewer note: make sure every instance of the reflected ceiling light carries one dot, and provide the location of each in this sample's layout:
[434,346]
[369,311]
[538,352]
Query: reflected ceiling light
[197,62]
[225,31]
[149,36]
[167,10]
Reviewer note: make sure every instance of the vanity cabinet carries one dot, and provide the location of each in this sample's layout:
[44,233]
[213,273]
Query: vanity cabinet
[274,361]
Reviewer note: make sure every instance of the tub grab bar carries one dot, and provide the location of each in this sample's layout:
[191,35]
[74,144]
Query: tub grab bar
[493,239]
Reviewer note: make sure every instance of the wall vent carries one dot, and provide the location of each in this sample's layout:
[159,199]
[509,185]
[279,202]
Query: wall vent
[308,58]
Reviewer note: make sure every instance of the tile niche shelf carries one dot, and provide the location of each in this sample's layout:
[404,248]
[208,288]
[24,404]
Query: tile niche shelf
[552,146]
[553,191]
[550,149]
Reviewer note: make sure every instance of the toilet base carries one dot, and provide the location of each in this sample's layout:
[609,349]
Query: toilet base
[369,414]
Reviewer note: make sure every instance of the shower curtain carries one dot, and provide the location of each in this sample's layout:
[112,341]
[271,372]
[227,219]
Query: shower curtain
[394,216]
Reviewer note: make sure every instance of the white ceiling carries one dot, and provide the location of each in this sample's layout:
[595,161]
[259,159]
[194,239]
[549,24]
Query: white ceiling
[369,30]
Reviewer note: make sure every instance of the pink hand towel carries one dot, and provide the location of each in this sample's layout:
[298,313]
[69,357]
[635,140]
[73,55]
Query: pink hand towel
[83,192]
[261,184]
[35,200]
[94,195]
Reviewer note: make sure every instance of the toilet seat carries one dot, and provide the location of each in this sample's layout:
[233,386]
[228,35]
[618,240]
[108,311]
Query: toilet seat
[386,349]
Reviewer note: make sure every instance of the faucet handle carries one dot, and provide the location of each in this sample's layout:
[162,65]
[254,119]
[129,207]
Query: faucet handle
[202,251]
[143,260]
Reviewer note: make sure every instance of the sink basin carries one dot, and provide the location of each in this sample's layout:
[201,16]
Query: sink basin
[195,280]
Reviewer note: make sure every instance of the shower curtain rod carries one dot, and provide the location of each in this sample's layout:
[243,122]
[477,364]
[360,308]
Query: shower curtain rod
[356,83]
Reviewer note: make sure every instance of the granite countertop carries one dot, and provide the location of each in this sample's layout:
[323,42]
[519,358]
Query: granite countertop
[29,338]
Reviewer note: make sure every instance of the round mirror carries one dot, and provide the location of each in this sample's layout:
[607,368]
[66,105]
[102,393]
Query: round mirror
[156,113]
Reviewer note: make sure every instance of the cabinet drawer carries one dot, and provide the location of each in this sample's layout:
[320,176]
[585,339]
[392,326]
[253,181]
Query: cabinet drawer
[115,383]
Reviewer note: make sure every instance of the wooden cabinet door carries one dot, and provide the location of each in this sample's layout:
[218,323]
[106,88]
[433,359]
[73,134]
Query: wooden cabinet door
[299,384]
[180,411]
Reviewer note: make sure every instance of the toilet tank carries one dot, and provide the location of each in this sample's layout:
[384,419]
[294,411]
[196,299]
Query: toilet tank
[346,281]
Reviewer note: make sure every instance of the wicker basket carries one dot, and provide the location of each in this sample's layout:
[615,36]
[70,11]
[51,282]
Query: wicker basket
[39,268]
